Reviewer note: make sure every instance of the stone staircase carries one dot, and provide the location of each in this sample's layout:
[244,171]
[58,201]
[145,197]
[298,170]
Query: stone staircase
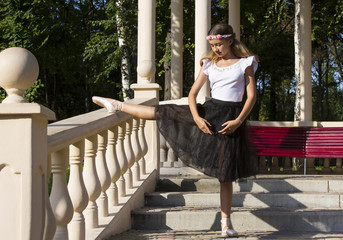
[267,204]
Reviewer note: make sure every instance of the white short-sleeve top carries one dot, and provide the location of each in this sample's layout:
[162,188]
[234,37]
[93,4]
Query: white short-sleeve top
[228,83]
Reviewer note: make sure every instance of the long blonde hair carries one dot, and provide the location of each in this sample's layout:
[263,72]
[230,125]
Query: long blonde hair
[237,48]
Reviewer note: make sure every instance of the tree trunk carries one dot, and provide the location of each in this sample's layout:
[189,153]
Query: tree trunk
[295,161]
[333,51]
[167,68]
[327,104]
[320,90]
[272,103]
[297,59]
[125,67]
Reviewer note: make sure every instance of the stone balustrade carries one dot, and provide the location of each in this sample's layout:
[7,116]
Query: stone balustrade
[99,164]
[106,159]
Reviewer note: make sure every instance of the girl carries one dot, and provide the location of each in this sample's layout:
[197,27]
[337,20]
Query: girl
[211,137]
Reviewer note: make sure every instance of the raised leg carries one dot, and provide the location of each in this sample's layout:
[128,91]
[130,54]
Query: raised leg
[140,111]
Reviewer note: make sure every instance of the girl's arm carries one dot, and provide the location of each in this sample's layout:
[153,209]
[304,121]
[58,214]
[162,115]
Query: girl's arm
[202,123]
[231,126]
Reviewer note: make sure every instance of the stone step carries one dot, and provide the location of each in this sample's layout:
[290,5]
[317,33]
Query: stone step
[243,219]
[289,184]
[262,200]
[168,234]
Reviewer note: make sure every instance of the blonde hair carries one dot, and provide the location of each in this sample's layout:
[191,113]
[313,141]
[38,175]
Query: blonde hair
[237,48]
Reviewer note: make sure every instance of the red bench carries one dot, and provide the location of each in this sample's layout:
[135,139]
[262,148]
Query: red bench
[305,142]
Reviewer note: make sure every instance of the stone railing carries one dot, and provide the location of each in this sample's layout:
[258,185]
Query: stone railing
[106,157]
[99,164]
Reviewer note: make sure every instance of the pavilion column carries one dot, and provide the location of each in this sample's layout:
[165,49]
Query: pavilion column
[235,16]
[176,49]
[146,69]
[202,26]
[146,86]
[303,49]
[305,60]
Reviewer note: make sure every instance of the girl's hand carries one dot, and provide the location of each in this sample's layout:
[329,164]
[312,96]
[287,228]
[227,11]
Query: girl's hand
[204,125]
[230,127]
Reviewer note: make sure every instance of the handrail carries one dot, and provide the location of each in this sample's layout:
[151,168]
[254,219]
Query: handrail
[108,175]
[65,132]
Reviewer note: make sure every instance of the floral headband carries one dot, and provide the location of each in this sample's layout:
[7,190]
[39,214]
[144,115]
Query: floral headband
[218,36]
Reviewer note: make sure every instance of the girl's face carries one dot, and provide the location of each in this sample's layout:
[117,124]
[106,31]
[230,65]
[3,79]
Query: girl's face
[221,47]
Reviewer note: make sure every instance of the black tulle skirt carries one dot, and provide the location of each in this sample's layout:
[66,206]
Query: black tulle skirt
[226,157]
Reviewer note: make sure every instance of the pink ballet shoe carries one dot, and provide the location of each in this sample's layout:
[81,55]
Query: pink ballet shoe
[227,232]
[110,104]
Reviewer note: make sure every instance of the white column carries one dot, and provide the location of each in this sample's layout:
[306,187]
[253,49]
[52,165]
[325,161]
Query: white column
[235,16]
[202,26]
[302,48]
[146,41]
[176,49]
[305,61]
[146,68]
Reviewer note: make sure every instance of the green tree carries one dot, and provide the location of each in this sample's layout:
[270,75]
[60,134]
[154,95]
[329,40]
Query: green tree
[327,58]
[268,32]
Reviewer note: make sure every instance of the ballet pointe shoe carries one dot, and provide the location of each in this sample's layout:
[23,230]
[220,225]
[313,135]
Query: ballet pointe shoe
[227,232]
[111,105]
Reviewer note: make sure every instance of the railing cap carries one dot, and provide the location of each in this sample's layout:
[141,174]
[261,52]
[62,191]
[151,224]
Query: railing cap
[25,109]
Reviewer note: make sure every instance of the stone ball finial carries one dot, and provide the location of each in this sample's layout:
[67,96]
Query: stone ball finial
[146,69]
[18,71]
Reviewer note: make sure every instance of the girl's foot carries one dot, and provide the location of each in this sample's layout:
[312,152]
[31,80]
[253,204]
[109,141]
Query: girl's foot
[110,104]
[226,231]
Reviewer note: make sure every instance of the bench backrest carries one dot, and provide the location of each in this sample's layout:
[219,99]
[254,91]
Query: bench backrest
[310,142]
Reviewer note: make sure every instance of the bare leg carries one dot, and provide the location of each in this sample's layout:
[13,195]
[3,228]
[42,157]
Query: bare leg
[226,191]
[140,111]
[226,199]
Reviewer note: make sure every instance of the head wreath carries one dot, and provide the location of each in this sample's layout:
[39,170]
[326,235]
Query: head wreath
[218,36]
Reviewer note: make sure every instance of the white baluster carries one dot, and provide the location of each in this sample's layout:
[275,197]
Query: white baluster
[59,197]
[113,166]
[92,183]
[137,150]
[171,157]
[129,154]
[77,191]
[163,151]
[103,173]
[144,146]
[121,159]
[50,221]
